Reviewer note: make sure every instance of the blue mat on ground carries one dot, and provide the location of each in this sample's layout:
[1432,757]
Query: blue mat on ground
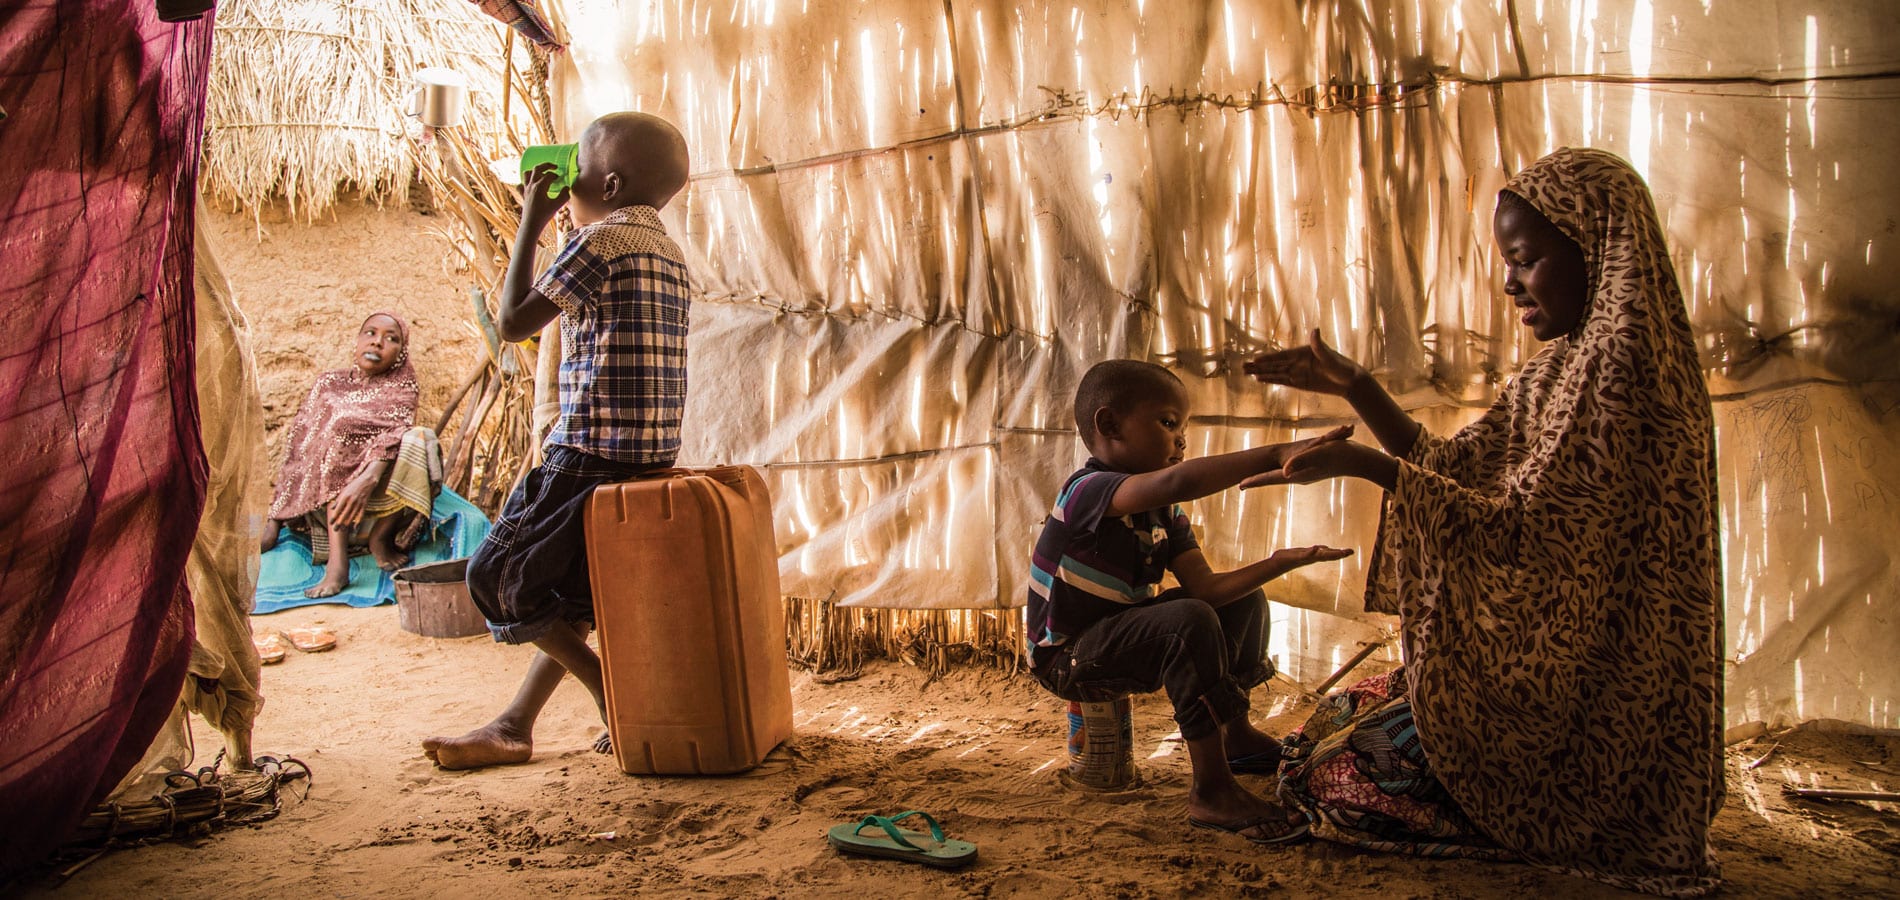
[455,528]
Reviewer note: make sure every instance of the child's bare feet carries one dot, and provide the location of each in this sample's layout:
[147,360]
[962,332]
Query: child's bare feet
[604,743]
[268,541]
[490,745]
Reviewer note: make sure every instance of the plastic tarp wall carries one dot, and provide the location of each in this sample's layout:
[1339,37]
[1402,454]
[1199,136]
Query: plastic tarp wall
[101,473]
[913,225]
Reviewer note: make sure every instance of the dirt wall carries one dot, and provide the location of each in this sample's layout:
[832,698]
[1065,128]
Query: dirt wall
[306,286]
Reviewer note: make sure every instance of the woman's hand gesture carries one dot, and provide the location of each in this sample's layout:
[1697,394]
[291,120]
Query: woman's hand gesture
[1314,367]
[1290,449]
[1330,459]
[351,502]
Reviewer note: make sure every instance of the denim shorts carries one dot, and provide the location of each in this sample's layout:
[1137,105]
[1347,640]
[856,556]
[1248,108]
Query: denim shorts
[531,570]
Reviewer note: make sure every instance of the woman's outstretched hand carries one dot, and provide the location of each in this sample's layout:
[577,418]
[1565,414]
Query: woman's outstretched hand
[1314,367]
[1291,449]
[1330,459]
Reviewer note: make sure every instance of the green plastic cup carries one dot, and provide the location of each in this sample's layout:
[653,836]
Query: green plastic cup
[566,159]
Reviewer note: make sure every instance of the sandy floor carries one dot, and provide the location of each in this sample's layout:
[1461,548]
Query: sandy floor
[979,749]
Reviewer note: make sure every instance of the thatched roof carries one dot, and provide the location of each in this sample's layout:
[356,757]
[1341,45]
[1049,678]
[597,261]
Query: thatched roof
[310,97]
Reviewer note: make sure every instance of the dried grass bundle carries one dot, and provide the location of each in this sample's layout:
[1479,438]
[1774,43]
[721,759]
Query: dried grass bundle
[824,637]
[493,439]
[310,97]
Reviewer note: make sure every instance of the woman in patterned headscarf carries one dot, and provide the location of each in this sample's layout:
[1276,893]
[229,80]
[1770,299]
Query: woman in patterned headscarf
[1554,567]
[342,466]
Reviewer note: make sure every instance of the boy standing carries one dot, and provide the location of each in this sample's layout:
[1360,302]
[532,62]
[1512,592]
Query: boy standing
[1100,628]
[620,289]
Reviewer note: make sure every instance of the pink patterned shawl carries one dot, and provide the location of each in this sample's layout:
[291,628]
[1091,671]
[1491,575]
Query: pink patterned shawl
[348,420]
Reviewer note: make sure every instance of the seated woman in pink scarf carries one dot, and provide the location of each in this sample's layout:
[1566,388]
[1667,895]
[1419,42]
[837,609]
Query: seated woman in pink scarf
[354,464]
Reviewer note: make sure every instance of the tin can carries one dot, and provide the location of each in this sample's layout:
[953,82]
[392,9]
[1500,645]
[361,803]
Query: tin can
[1102,745]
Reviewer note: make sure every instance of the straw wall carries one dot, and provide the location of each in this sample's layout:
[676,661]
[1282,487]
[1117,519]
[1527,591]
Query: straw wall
[309,98]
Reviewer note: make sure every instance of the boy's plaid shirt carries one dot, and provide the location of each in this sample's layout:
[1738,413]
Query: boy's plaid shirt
[622,288]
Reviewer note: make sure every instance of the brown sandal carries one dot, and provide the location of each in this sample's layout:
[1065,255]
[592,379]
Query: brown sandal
[314,639]
[271,647]
[1286,830]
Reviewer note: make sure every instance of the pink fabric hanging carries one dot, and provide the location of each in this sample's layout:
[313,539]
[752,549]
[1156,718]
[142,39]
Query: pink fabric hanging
[524,18]
[101,470]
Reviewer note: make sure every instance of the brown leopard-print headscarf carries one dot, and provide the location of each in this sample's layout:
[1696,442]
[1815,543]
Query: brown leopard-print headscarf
[348,420]
[1555,565]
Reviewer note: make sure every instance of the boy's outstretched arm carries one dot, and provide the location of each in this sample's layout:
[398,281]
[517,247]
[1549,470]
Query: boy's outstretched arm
[523,311]
[1192,479]
[1221,588]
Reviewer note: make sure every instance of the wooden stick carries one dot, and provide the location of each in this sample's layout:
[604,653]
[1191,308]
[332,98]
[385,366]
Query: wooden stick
[452,151]
[461,434]
[508,81]
[465,461]
[498,451]
[491,338]
[1765,754]
[466,439]
[1830,794]
[1365,650]
[448,412]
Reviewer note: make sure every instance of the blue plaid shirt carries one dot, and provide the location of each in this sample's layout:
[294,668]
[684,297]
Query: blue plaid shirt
[621,285]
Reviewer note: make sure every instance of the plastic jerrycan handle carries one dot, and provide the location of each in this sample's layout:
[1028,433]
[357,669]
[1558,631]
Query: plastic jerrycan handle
[731,476]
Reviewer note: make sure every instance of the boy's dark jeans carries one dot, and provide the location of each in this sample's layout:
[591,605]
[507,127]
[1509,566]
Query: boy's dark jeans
[1207,658]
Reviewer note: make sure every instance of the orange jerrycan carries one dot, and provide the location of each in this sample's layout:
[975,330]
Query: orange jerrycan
[684,568]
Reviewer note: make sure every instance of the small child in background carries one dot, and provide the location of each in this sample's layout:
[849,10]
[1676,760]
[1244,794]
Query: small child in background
[620,289]
[1101,628]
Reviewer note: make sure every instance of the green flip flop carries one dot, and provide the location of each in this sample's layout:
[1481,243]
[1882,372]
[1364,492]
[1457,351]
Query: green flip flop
[892,842]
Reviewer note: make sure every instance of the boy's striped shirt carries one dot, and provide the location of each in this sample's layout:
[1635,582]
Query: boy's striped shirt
[1086,565]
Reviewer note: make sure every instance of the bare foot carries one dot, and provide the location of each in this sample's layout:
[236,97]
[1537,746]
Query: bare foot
[489,745]
[388,558]
[410,534]
[269,541]
[604,743]
[336,571]
[330,586]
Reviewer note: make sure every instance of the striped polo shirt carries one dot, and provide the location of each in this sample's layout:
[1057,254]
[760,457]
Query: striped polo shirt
[622,289]
[1088,566]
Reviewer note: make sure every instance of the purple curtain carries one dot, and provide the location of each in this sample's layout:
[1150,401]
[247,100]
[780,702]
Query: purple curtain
[101,471]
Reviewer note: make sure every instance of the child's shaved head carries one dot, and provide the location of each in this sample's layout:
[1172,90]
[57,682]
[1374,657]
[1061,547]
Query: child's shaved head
[646,151]
[1119,384]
